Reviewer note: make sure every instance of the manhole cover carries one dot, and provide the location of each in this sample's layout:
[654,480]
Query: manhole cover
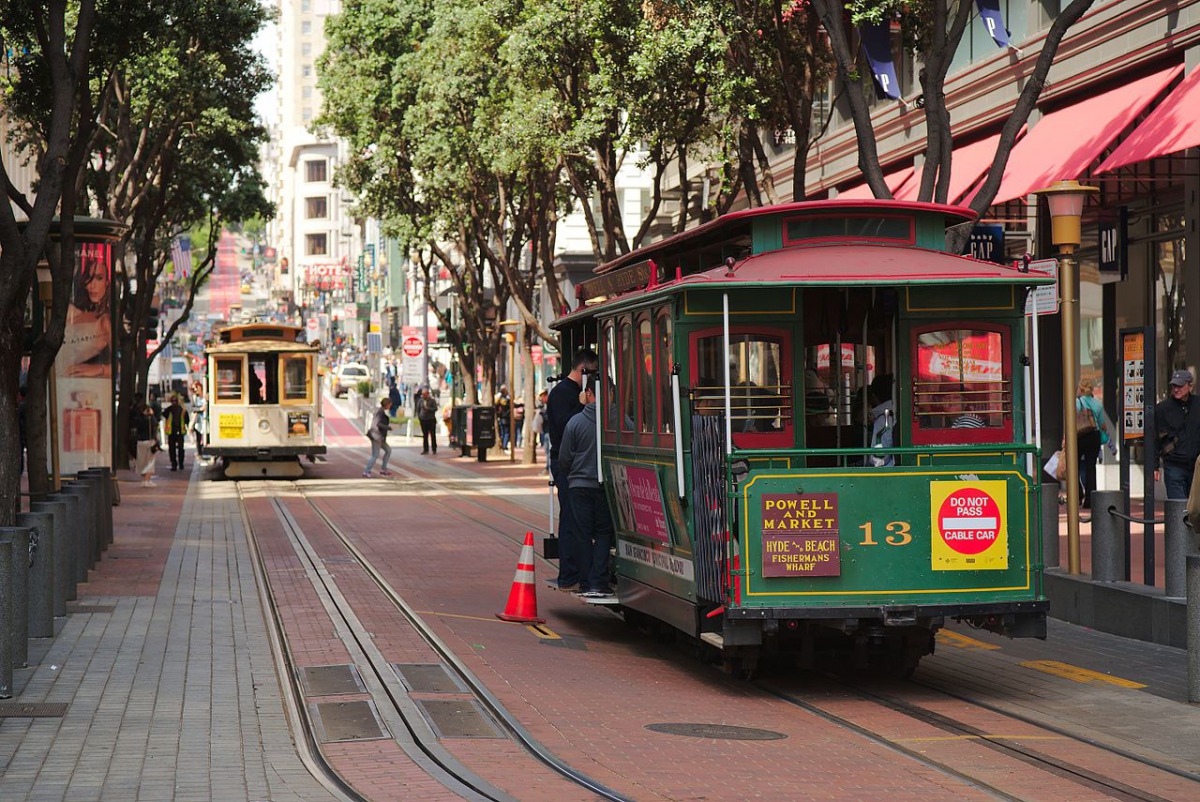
[428,678]
[75,607]
[32,709]
[347,721]
[331,680]
[458,718]
[725,732]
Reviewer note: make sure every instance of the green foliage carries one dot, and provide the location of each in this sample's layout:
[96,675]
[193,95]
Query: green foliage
[364,387]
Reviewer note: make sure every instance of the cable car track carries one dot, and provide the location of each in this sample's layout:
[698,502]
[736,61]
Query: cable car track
[1079,775]
[419,741]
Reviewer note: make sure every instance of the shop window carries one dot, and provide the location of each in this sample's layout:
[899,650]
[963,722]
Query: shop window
[760,385]
[229,380]
[295,378]
[962,388]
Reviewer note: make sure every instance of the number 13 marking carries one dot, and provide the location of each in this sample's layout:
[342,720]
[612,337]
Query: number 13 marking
[901,534]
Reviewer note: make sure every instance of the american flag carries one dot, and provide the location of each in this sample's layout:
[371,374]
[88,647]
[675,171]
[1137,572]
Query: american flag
[181,257]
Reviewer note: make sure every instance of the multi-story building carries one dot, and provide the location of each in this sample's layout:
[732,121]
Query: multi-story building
[316,237]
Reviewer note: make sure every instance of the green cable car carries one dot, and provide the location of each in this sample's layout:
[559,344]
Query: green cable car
[817,432]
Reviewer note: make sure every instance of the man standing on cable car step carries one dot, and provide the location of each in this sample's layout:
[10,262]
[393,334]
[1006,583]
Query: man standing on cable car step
[578,458]
[561,405]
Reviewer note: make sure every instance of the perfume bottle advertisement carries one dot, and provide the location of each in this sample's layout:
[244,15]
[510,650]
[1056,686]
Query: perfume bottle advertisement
[83,369]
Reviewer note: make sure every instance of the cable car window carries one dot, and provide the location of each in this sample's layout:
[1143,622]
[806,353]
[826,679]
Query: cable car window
[609,356]
[961,386]
[666,412]
[229,380]
[645,362]
[869,228]
[759,376]
[264,383]
[628,383]
[295,378]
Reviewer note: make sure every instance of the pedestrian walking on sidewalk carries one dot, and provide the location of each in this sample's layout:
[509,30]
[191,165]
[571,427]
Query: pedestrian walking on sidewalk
[1177,434]
[427,409]
[1092,428]
[175,421]
[145,429]
[562,404]
[377,434]
[577,456]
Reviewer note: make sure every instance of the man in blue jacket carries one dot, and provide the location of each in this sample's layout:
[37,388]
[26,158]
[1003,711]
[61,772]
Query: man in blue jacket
[577,456]
[561,405]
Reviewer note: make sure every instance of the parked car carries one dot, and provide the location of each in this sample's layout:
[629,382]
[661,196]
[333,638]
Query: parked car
[346,376]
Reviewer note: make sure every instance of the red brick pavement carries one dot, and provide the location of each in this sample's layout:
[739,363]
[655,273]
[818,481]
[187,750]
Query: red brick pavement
[143,529]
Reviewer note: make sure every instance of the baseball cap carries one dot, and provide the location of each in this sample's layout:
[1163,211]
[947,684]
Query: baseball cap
[1181,377]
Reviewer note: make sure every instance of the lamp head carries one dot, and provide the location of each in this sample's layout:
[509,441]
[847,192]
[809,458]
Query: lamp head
[1065,200]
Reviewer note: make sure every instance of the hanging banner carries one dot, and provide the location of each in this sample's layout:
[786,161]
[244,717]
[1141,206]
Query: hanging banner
[83,371]
[989,12]
[877,44]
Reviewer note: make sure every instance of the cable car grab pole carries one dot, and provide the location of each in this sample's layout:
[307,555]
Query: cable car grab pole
[728,390]
[675,406]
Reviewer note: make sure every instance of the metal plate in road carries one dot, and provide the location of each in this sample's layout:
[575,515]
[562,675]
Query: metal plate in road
[428,678]
[723,732]
[346,721]
[458,718]
[331,680]
[32,710]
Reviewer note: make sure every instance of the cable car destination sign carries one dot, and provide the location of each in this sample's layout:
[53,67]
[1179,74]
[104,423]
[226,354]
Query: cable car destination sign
[800,535]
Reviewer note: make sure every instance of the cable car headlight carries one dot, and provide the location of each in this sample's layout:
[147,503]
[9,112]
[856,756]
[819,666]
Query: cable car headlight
[264,425]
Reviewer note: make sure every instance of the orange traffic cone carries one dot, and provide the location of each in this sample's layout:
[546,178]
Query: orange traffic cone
[522,599]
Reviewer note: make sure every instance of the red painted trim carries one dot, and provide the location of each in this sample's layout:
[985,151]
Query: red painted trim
[786,437]
[940,436]
[842,240]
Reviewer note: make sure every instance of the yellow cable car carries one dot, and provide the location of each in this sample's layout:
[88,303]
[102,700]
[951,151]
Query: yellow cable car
[264,401]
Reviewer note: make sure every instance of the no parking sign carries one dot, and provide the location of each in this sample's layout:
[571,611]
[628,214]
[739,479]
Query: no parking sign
[970,525]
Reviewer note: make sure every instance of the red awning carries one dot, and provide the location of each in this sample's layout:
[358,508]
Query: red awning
[1172,127]
[894,181]
[967,164]
[1066,142]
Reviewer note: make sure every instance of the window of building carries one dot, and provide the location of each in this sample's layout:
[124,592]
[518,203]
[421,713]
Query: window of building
[306,49]
[306,27]
[306,115]
[760,384]
[306,92]
[977,43]
[305,6]
[316,208]
[315,171]
[306,70]
[316,244]
[962,390]
[229,380]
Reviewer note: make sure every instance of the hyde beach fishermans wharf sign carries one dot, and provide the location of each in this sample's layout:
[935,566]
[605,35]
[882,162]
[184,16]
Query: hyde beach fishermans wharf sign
[800,535]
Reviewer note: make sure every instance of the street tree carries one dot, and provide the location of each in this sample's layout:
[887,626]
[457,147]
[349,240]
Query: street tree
[932,31]
[177,147]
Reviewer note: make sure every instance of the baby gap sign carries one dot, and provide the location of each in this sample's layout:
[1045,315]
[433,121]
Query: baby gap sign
[800,535]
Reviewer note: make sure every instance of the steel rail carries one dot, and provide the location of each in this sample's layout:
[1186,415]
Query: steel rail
[481,692]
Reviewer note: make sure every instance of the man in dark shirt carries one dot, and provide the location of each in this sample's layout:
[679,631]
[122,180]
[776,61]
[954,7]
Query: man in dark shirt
[1177,434]
[562,405]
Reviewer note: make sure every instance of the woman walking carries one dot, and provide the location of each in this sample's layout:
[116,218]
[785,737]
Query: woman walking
[1092,429]
[377,434]
[145,429]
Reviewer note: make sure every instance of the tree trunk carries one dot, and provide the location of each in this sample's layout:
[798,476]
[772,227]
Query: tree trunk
[12,342]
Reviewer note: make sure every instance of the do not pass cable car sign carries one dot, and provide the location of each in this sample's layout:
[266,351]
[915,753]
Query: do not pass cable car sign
[970,526]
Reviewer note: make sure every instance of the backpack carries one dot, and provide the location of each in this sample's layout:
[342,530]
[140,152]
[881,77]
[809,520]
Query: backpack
[1085,419]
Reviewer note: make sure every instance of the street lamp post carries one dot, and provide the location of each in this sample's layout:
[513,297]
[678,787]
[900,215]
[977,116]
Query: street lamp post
[1065,200]
[511,339]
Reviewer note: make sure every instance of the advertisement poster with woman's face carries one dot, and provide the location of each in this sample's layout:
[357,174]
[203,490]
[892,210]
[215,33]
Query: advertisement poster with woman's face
[84,368]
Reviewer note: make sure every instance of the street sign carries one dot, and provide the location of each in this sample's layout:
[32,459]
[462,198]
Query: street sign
[1133,383]
[413,347]
[536,352]
[969,527]
[312,328]
[350,312]
[1043,300]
